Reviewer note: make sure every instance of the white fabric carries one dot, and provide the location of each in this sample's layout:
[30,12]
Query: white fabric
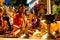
[17,31]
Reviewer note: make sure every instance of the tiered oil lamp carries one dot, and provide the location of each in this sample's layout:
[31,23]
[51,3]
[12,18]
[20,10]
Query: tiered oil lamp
[49,19]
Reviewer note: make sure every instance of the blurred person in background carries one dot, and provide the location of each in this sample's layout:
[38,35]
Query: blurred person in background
[54,7]
[4,7]
[3,25]
[7,17]
[1,14]
[42,10]
[10,13]
[37,15]
[31,15]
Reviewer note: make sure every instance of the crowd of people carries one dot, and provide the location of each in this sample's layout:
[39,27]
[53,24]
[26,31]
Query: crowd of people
[22,22]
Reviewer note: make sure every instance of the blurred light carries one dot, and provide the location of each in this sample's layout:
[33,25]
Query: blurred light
[33,4]
[44,36]
[42,21]
[22,36]
[28,1]
[54,33]
[37,32]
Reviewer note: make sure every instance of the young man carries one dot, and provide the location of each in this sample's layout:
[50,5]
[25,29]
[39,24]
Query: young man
[18,21]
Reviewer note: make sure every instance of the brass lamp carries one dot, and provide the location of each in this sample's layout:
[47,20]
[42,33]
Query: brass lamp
[50,19]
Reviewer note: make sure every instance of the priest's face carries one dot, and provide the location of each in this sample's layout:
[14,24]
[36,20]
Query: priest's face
[21,9]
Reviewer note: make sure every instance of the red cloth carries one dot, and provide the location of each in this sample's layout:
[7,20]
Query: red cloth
[15,29]
[18,20]
[2,23]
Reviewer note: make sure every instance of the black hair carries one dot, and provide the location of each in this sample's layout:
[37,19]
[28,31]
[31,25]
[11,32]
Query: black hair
[20,7]
[33,20]
[4,3]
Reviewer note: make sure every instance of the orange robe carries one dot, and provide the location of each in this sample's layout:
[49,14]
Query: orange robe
[18,21]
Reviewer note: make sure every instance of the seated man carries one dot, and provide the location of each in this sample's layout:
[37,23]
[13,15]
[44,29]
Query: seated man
[18,21]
